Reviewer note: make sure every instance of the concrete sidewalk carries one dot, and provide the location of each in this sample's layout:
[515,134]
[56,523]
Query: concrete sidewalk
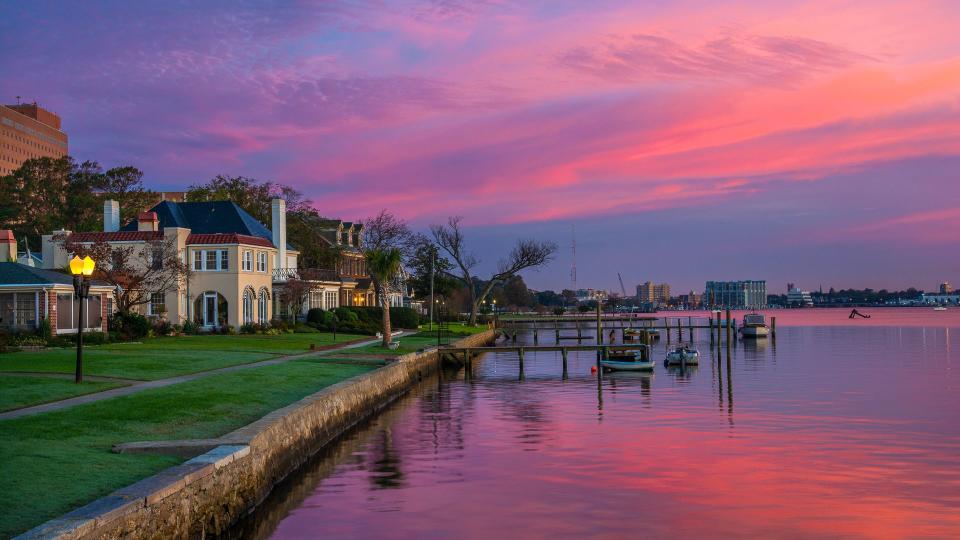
[160,383]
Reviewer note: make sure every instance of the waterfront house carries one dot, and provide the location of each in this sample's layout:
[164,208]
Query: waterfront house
[231,258]
[30,295]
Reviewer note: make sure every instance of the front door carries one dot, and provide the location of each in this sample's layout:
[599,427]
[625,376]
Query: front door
[210,310]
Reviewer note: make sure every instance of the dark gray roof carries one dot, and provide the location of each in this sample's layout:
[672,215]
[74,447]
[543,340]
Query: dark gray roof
[12,273]
[208,217]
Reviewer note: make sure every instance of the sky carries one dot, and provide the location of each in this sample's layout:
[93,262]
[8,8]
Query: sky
[814,142]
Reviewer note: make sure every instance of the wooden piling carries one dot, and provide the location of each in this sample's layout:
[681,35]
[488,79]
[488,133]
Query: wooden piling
[520,354]
[773,327]
[728,325]
[563,352]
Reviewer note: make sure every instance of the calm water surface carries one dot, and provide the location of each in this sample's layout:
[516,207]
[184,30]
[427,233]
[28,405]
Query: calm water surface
[835,429]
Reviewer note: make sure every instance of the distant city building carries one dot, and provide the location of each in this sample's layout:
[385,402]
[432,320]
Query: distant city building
[586,295]
[946,288]
[689,301]
[749,294]
[940,299]
[796,297]
[28,131]
[656,294]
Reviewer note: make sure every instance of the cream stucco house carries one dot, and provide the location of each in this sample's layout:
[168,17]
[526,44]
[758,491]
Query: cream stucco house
[232,258]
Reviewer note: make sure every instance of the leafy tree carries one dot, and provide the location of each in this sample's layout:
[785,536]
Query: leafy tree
[424,258]
[384,266]
[525,254]
[46,194]
[125,185]
[516,292]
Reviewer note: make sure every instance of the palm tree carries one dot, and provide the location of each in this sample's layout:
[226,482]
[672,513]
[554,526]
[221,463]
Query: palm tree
[384,265]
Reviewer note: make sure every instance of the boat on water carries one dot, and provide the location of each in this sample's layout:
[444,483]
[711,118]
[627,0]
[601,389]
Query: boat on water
[683,354]
[754,326]
[626,359]
[636,334]
[940,308]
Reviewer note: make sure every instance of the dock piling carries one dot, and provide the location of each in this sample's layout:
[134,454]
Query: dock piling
[563,352]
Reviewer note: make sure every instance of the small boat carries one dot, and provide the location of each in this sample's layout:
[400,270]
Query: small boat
[626,360]
[636,334]
[940,308]
[754,326]
[683,354]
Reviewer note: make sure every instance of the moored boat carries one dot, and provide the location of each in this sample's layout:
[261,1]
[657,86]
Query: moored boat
[623,359]
[683,354]
[940,308]
[754,326]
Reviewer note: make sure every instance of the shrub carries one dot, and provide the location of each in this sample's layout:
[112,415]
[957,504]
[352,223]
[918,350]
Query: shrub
[559,310]
[248,328]
[404,317]
[315,315]
[161,327]
[130,325]
[189,327]
[345,315]
[45,331]
[280,325]
[28,340]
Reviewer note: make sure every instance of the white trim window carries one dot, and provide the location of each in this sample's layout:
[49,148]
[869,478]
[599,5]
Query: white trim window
[247,260]
[157,304]
[330,298]
[261,261]
[262,307]
[248,296]
[211,260]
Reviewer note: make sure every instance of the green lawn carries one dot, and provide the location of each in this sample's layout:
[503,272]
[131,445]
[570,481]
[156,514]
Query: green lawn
[57,461]
[163,357]
[415,342]
[21,391]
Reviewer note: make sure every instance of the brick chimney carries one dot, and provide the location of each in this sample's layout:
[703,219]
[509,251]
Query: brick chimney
[147,221]
[8,246]
[111,216]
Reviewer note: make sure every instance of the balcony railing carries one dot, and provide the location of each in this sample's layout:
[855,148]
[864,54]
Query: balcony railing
[306,274]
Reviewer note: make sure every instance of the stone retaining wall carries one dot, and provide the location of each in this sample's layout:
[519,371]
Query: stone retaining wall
[208,493]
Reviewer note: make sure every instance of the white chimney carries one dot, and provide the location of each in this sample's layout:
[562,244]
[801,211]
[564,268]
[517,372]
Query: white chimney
[279,224]
[111,216]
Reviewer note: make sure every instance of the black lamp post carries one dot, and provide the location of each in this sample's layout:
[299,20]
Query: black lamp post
[81,269]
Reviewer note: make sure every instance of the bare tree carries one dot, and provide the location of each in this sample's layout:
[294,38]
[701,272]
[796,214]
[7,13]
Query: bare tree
[382,234]
[525,254]
[135,270]
[293,295]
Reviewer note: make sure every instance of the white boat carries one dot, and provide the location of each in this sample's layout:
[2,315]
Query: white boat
[940,308]
[754,326]
[683,354]
[626,360]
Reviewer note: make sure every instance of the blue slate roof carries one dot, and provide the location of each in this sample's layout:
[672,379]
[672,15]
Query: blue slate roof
[12,273]
[207,217]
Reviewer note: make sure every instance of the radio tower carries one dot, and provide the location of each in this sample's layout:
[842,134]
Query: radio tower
[573,262]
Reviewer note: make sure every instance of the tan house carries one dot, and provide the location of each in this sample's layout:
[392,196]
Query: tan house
[232,258]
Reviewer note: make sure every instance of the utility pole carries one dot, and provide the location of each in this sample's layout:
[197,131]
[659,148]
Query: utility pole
[433,264]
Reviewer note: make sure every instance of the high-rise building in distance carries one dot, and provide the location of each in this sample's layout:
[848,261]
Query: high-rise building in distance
[651,293]
[28,131]
[750,294]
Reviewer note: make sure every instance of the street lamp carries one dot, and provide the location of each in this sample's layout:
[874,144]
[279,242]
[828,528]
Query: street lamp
[81,269]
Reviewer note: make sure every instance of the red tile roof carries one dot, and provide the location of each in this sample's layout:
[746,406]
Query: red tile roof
[118,236]
[228,238]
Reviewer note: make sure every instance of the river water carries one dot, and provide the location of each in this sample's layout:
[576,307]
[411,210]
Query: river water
[837,428]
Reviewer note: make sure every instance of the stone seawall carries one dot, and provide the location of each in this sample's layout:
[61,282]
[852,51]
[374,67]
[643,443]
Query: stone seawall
[208,493]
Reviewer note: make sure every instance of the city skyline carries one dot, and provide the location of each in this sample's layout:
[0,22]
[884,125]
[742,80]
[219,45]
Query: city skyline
[811,143]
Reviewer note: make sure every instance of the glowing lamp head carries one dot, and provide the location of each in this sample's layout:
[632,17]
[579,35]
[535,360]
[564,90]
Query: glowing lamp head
[82,266]
[88,265]
[76,266]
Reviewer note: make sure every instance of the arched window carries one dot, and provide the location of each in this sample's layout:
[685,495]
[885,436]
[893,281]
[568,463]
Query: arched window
[262,302]
[248,298]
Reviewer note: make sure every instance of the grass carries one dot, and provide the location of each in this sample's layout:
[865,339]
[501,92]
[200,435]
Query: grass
[23,391]
[159,358]
[421,340]
[57,461]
